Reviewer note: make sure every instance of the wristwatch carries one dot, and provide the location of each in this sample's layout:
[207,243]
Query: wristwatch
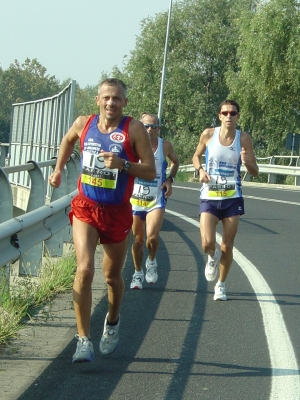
[197,171]
[171,177]
[126,165]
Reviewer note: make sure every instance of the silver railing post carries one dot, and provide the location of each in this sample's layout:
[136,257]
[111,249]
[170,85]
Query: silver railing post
[272,177]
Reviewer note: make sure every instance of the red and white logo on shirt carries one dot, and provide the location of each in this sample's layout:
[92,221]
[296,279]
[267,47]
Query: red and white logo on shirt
[117,137]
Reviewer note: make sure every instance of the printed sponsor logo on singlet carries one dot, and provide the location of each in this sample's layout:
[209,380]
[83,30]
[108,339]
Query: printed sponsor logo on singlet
[115,148]
[117,137]
[221,172]
[227,165]
[212,162]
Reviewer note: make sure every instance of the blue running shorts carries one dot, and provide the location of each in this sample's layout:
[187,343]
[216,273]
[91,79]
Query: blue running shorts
[223,208]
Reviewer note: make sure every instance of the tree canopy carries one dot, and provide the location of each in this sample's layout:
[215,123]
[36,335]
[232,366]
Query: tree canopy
[202,48]
[267,81]
[247,50]
[20,83]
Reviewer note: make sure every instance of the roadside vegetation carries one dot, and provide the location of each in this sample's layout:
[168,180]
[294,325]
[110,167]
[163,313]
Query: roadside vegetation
[21,299]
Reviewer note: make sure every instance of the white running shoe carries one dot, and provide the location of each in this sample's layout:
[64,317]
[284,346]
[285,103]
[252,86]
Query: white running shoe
[151,271]
[84,350]
[110,337]
[220,293]
[212,266]
[137,280]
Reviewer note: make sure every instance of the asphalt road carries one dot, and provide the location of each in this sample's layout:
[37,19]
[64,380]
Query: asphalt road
[176,342]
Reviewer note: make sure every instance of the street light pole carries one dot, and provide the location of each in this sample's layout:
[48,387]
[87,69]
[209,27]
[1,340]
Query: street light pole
[163,77]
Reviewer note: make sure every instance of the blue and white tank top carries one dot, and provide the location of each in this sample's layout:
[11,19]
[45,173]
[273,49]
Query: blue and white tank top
[148,195]
[223,164]
[97,182]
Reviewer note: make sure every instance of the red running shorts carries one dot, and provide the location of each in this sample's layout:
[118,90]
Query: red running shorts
[113,222]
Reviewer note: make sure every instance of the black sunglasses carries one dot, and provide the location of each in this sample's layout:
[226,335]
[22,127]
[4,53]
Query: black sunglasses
[152,126]
[232,113]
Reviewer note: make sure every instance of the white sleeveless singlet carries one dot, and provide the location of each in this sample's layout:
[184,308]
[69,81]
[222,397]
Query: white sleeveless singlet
[223,164]
[148,195]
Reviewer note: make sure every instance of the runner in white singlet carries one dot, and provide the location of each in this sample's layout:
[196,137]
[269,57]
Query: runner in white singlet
[148,201]
[225,150]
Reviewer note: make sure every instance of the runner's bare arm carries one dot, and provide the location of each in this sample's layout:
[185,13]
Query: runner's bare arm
[169,153]
[247,154]
[65,149]
[205,138]
[140,143]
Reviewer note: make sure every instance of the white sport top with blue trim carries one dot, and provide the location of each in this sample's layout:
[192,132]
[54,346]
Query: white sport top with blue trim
[148,195]
[223,164]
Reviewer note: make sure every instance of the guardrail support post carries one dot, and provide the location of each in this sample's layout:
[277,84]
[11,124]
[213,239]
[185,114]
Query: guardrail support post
[3,150]
[297,178]
[6,213]
[30,262]
[6,198]
[72,176]
[55,245]
[272,177]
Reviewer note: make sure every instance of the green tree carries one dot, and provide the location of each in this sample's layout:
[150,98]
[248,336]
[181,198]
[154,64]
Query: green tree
[267,82]
[23,82]
[85,101]
[202,47]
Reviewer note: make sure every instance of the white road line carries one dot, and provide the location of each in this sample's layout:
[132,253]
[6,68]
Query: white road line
[285,371]
[246,197]
[272,200]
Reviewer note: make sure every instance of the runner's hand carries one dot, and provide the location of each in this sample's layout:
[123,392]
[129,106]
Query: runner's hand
[244,156]
[203,176]
[111,160]
[55,179]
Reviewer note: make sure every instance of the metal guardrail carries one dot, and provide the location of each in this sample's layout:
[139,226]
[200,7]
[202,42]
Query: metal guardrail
[34,216]
[270,169]
[43,225]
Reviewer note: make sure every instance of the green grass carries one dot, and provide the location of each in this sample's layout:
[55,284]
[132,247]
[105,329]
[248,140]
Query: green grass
[19,301]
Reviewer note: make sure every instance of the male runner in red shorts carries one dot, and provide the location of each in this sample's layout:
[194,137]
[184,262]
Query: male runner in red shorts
[111,146]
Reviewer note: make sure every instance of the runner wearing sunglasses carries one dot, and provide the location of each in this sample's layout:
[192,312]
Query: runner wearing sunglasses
[225,148]
[148,201]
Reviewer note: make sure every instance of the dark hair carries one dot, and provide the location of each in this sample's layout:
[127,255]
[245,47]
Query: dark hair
[114,82]
[231,102]
[150,115]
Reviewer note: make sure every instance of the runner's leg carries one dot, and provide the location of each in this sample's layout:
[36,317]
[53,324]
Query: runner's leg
[85,242]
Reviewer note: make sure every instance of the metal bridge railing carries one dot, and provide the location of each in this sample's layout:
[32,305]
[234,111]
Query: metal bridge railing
[270,169]
[42,226]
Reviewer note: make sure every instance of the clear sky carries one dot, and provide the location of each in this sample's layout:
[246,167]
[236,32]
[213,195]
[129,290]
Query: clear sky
[72,38]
